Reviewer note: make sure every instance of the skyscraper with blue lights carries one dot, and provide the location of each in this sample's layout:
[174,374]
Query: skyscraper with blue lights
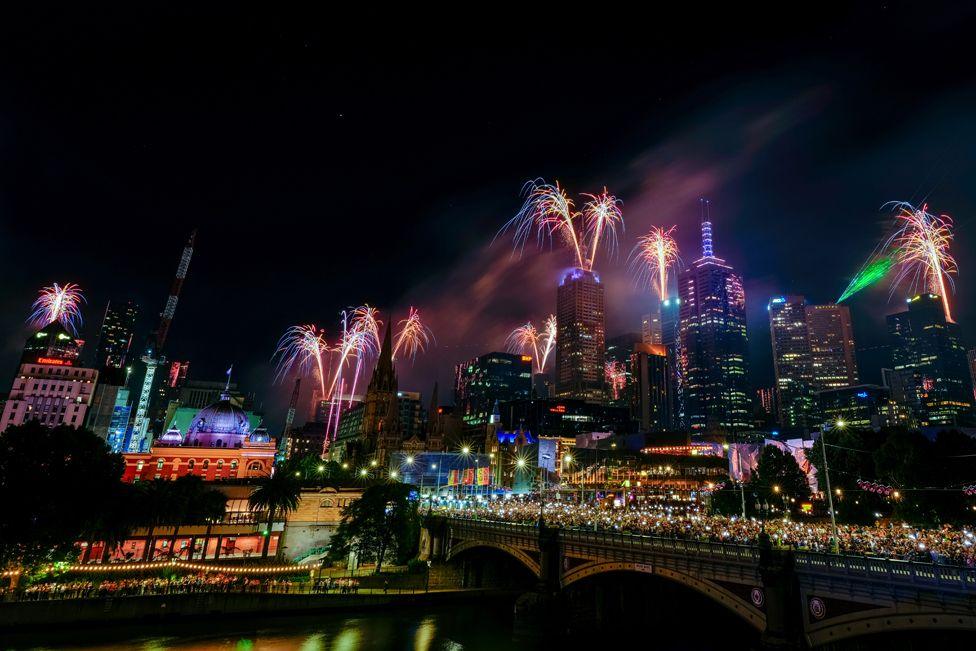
[712,343]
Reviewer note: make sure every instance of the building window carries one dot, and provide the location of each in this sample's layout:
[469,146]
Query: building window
[190,464]
[159,464]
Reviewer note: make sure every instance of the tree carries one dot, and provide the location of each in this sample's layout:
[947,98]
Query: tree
[779,479]
[280,494]
[383,520]
[56,485]
[849,456]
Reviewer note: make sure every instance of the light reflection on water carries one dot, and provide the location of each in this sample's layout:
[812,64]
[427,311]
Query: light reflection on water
[462,628]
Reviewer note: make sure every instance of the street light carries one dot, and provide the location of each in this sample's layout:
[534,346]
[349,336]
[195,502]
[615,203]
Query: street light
[830,494]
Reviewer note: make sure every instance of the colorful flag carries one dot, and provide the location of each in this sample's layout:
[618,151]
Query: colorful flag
[452,478]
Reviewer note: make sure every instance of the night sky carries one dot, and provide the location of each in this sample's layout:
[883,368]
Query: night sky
[333,160]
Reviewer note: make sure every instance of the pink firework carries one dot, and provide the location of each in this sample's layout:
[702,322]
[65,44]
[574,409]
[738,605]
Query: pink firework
[654,256]
[524,340]
[921,246]
[615,375]
[548,213]
[413,336]
[58,303]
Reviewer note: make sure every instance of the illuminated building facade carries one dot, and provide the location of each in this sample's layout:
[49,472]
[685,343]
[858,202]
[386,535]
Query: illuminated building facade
[930,362]
[865,406]
[49,387]
[562,418]
[831,346]
[495,377]
[712,344]
[652,394]
[796,401]
[580,336]
[651,328]
[219,444]
[115,335]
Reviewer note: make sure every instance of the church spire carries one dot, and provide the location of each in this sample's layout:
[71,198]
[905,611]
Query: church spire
[386,353]
[384,375]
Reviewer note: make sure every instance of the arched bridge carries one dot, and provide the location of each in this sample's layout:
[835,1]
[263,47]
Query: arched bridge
[792,597]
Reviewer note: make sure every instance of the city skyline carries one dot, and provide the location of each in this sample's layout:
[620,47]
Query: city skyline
[657,160]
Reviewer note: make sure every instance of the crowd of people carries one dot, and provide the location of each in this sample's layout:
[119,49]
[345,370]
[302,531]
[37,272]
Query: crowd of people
[186,584]
[340,586]
[945,545]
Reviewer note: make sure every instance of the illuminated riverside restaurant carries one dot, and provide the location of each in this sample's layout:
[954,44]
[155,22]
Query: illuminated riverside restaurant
[239,534]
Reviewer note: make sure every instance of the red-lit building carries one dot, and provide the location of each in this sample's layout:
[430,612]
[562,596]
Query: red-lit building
[218,445]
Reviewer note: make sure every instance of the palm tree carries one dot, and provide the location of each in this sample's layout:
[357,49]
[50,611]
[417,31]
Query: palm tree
[155,508]
[280,494]
[193,503]
[212,509]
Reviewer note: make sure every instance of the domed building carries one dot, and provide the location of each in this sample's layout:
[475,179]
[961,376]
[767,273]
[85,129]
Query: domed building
[220,425]
[219,444]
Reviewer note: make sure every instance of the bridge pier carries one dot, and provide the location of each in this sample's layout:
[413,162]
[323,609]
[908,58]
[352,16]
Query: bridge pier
[784,626]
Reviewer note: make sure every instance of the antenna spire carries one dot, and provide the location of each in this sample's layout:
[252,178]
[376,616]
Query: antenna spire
[706,228]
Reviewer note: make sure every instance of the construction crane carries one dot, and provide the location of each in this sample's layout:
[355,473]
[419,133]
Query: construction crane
[153,356]
[289,419]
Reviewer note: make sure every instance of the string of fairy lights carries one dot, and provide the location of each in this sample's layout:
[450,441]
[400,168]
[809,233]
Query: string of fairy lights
[183,565]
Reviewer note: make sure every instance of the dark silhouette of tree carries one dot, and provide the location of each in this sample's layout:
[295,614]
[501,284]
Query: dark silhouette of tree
[56,486]
[383,520]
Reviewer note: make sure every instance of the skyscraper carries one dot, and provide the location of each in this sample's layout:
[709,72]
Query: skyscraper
[930,362]
[796,403]
[115,335]
[813,351]
[495,377]
[713,343]
[651,328]
[652,389]
[831,346]
[581,336]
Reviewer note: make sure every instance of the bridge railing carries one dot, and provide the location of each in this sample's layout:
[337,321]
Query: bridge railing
[944,577]
[621,540]
[615,539]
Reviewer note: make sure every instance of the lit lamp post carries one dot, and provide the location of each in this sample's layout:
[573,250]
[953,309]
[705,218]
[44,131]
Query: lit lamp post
[542,491]
[835,541]
[466,456]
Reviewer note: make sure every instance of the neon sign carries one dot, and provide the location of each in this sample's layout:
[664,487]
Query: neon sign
[53,361]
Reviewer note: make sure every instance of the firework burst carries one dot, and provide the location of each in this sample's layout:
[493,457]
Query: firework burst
[301,348]
[524,340]
[654,256]
[58,303]
[548,213]
[601,217]
[413,336]
[615,375]
[921,251]
[548,340]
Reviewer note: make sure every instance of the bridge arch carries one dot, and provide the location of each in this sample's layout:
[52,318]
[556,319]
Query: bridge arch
[748,612]
[889,621]
[520,555]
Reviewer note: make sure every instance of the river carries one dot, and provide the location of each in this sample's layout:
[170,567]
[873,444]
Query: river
[466,627]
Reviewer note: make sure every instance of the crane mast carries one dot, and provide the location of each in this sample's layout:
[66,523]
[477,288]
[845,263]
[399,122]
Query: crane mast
[153,356]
